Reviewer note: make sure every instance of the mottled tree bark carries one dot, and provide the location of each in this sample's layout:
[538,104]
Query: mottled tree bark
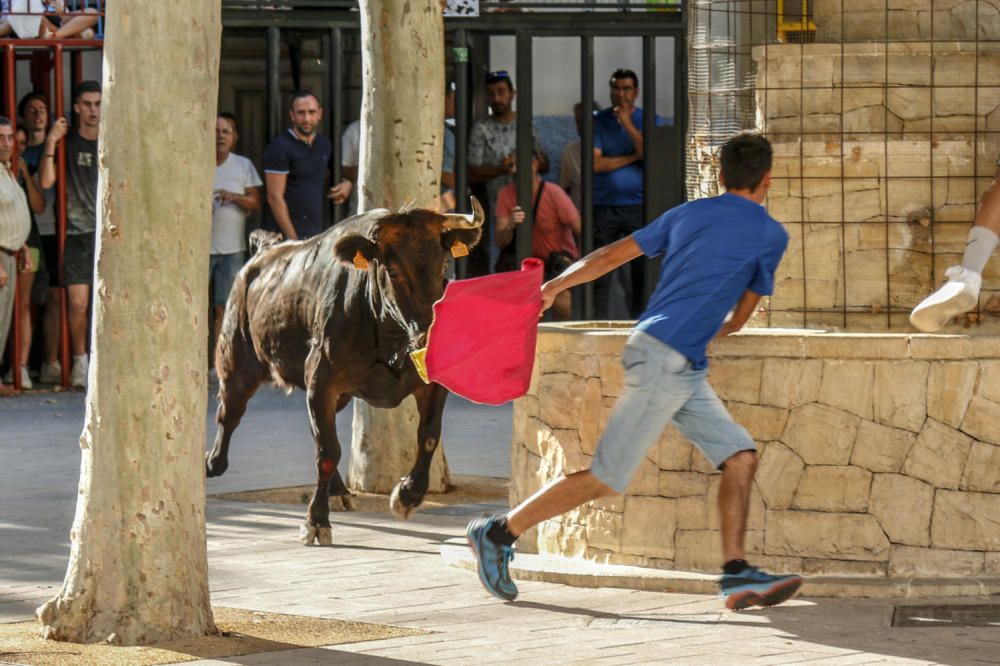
[402,139]
[138,569]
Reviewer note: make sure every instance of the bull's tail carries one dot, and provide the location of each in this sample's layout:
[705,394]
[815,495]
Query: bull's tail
[261,239]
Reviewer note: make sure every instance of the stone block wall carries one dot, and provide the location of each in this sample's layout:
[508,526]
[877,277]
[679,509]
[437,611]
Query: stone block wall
[882,151]
[879,455]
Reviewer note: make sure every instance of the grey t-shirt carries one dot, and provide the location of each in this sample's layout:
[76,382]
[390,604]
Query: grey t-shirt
[489,142]
[81,184]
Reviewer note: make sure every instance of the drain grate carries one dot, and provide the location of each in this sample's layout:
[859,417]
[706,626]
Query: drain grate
[955,615]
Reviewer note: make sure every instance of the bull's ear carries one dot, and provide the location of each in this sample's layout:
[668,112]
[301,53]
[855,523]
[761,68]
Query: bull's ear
[355,250]
[467,237]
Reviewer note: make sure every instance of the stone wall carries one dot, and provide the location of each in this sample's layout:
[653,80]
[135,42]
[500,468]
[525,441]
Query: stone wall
[882,151]
[880,455]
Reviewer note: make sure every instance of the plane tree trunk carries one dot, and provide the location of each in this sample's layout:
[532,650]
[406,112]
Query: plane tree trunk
[402,139]
[138,570]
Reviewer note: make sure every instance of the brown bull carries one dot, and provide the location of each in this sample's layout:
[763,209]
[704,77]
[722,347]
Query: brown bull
[336,315]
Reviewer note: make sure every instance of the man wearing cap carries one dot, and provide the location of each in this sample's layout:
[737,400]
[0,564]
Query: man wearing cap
[493,142]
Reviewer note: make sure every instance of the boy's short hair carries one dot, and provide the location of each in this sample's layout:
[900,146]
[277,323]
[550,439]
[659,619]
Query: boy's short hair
[85,87]
[30,97]
[744,160]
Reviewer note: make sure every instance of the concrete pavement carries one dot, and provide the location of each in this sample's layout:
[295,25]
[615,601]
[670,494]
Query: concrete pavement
[382,570]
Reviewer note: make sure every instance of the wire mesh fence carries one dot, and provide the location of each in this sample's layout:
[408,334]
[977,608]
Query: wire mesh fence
[885,120]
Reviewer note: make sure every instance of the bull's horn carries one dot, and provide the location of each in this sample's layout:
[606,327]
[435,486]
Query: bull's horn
[471,221]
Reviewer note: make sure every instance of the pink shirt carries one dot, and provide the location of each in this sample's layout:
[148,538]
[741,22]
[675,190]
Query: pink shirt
[553,224]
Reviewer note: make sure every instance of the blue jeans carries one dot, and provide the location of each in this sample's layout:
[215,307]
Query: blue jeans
[660,387]
[222,270]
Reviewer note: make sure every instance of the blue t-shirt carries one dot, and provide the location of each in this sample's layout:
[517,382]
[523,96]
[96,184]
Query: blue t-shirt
[621,187]
[715,249]
[305,165]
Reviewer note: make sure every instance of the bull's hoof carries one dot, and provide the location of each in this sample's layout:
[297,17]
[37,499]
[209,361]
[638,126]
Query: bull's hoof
[307,535]
[215,466]
[324,536]
[347,502]
[397,506]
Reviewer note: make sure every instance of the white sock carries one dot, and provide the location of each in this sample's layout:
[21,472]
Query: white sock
[979,248]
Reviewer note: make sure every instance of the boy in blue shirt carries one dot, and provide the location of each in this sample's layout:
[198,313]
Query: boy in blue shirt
[720,255]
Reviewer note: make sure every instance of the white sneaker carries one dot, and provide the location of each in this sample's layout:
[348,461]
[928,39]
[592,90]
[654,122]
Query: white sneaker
[78,376]
[958,295]
[25,378]
[51,373]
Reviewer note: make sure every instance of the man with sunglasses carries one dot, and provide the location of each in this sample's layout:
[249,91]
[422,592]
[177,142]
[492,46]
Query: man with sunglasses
[493,144]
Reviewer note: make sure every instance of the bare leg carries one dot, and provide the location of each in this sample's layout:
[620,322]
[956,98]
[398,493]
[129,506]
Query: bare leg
[77,24]
[79,305]
[559,496]
[988,214]
[734,502]
[24,284]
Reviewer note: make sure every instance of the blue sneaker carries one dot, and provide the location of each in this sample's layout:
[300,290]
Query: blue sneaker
[753,587]
[492,559]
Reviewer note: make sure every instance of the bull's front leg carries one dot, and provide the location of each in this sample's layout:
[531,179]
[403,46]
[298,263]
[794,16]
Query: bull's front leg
[410,491]
[321,400]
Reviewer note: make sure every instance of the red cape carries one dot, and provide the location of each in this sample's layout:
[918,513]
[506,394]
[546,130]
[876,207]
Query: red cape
[482,342]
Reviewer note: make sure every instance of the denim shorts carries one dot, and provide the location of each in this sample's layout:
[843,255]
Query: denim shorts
[222,270]
[660,387]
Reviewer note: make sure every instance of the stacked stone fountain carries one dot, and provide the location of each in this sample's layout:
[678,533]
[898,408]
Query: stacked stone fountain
[886,132]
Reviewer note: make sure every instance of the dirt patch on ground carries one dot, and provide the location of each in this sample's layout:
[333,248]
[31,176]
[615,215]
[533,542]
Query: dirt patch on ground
[465,490]
[242,632]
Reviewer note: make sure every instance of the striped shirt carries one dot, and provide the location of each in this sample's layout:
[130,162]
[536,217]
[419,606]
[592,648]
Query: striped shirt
[15,220]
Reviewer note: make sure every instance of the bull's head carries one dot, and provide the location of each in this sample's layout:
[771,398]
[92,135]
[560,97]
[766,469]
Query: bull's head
[405,254]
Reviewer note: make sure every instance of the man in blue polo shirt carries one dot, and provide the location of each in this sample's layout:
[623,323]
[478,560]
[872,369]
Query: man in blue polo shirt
[719,256]
[618,190]
[295,170]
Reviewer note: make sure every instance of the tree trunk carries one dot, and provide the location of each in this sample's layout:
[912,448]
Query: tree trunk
[402,141]
[138,568]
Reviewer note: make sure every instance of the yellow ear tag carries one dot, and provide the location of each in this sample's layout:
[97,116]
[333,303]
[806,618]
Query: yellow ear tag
[360,262]
[459,249]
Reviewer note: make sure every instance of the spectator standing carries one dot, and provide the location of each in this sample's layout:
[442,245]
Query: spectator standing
[350,158]
[235,194]
[618,186]
[719,254]
[569,162]
[27,269]
[493,143]
[15,224]
[448,200]
[296,164]
[556,220]
[81,214]
[34,112]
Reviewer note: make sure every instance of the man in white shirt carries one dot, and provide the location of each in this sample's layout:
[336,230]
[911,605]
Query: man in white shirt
[15,223]
[236,194]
